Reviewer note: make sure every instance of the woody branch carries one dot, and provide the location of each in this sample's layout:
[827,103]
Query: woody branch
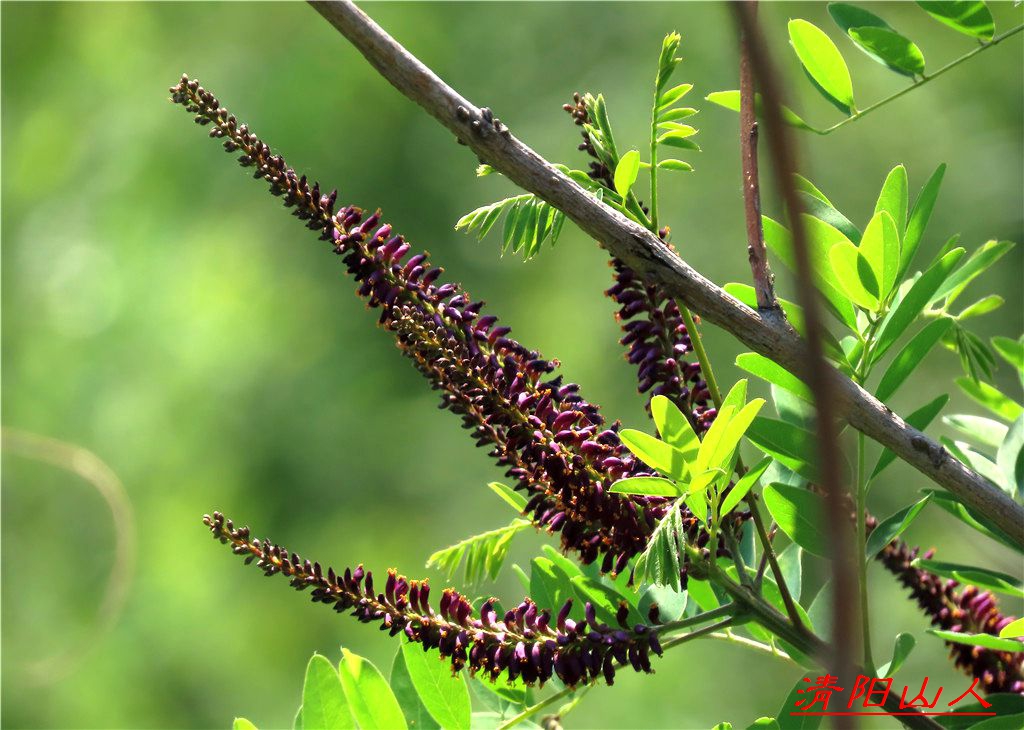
[641,250]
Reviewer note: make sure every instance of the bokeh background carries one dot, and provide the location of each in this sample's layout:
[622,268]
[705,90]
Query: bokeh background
[160,311]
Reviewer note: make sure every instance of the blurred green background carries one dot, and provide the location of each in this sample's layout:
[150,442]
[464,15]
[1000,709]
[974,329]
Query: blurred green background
[162,312]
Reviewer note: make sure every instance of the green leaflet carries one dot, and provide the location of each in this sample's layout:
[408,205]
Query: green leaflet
[370,699]
[324,702]
[445,697]
[971,18]
[823,62]
[799,513]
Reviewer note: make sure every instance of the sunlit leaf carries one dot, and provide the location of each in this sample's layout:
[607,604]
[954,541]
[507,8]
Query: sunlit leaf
[880,246]
[977,263]
[822,61]
[992,399]
[893,526]
[981,577]
[649,486]
[894,50]
[800,514]
[673,426]
[446,697]
[978,428]
[324,703]
[912,355]
[416,715]
[987,641]
[918,219]
[855,275]
[966,515]
[370,699]
[658,454]
[972,18]
[626,172]
[902,647]
[910,306]
[513,498]
[742,486]
[791,445]
[241,723]
[731,100]
[1010,457]
[774,373]
[676,165]
[1012,630]
[1010,350]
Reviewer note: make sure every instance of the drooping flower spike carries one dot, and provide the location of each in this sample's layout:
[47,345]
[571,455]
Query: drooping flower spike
[967,610]
[527,641]
[553,443]
[654,332]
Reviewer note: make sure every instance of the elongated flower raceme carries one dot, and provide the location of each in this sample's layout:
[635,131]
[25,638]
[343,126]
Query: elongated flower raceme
[555,444]
[964,610]
[654,332]
[526,641]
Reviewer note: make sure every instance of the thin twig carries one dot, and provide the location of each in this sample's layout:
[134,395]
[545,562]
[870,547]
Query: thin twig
[952,64]
[764,280]
[769,553]
[819,380]
[642,251]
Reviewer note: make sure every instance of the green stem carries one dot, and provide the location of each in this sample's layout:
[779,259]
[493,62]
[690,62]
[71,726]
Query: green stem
[654,160]
[702,355]
[752,644]
[769,552]
[862,560]
[952,64]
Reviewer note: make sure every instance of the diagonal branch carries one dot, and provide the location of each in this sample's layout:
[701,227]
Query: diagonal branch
[642,251]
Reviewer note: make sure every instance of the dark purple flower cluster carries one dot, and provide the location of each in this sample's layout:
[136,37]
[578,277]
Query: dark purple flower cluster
[968,610]
[554,443]
[526,642]
[658,343]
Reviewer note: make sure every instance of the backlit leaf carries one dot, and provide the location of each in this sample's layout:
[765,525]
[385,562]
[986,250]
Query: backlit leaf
[626,172]
[966,16]
[822,61]
[894,50]
[370,699]
[324,703]
[910,357]
[800,514]
[446,697]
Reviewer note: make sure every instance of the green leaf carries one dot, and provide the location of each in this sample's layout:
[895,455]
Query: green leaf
[894,50]
[797,722]
[370,699]
[793,446]
[741,487]
[446,697]
[324,703]
[790,562]
[822,61]
[548,587]
[484,554]
[991,399]
[983,430]
[894,200]
[798,513]
[1010,457]
[827,214]
[983,306]
[731,100]
[880,245]
[986,641]
[671,603]
[604,600]
[1010,350]
[1004,704]
[981,577]
[416,715]
[673,426]
[794,313]
[962,512]
[677,165]
[626,172]
[513,498]
[912,355]
[910,306]
[919,419]
[658,454]
[901,650]
[1012,630]
[241,723]
[672,115]
[774,373]
[970,18]
[768,723]
[660,562]
[919,217]
[977,263]
[648,486]
[893,526]
[848,16]
[855,275]
[673,95]
[680,140]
